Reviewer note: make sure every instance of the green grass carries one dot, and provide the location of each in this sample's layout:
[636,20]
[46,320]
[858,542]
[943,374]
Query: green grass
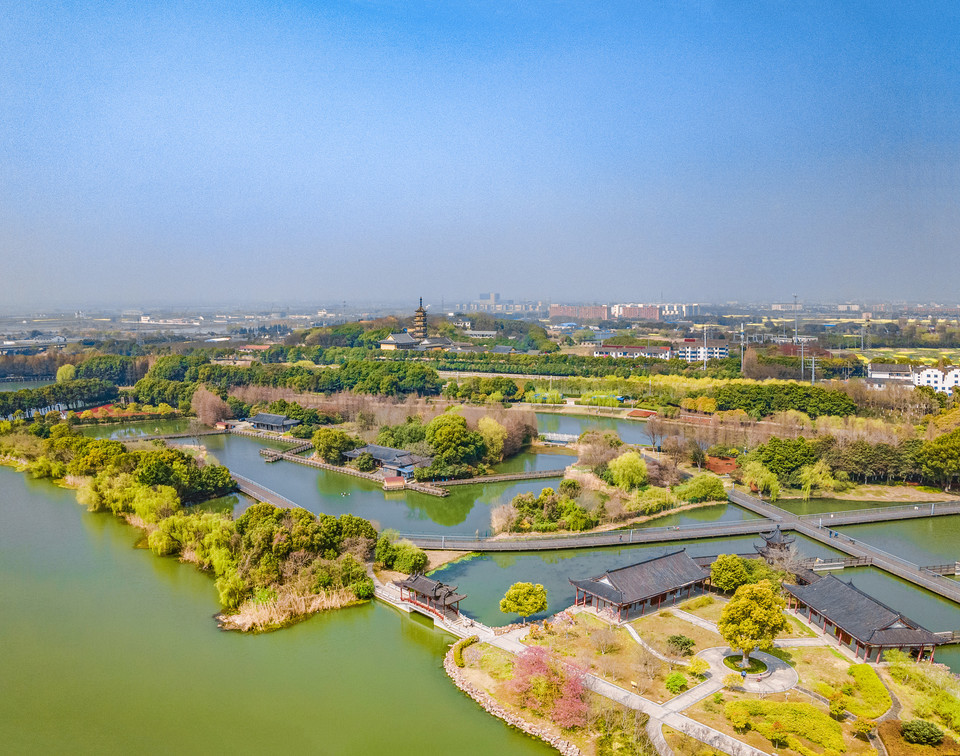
[756,666]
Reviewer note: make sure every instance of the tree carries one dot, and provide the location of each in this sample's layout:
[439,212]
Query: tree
[680,645]
[815,477]
[605,640]
[209,407]
[493,435]
[753,618]
[452,442]
[728,572]
[697,455]
[331,445]
[698,667]
[66,373]
[524,599]
[629,471]
[365,462]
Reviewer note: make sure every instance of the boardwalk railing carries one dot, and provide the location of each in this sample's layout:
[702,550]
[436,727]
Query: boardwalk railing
[589,540]
[882,514]
[528,475]
[262,493]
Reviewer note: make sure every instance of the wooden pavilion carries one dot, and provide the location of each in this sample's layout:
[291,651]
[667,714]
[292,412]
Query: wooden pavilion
[775,544]
[644,586]
[860,621]
[432,595]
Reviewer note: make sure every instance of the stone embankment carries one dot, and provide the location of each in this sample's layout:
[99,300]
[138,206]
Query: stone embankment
[490,705]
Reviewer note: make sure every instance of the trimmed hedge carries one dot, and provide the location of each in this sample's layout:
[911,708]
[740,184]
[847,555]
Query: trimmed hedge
[795,719]
[458,649]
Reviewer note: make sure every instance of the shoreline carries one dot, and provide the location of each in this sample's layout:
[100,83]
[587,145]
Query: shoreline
[490,706]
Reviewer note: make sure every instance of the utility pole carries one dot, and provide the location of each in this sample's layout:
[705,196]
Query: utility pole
[741,348]
[704,346]
[813,368]
[801,360]
[794,318]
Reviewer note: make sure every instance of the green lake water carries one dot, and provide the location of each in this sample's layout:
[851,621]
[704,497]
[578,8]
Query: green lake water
[630,431]
[131,431]
[926,541]
[822,505]
[465,512]
[17,385]
[108,649]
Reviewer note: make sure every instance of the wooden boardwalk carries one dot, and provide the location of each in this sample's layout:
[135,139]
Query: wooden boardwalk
[527,475]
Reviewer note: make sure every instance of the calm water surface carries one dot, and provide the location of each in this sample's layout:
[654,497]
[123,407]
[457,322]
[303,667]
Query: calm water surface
[108,649]
[630,431]
[926,541]
[17,385]
[132,431]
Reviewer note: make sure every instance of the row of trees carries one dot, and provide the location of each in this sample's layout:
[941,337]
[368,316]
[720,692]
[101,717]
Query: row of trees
[794,462]
[70,393]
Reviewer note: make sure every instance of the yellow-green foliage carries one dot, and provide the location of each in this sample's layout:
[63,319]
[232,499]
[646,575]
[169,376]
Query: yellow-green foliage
[458,649]
[869,697]
[786,723]
[652,500]
[121,494]
[939,689]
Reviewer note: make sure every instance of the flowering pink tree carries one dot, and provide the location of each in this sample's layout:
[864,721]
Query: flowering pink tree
[570,709]
[543,684]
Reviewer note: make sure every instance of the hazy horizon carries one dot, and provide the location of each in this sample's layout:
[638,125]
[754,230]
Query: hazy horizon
[381,151]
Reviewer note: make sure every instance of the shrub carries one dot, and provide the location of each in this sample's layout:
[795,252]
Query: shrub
[786,723]
[921,732]
[698,667]
[699,602]
[701,488]
[458,649]
[863,727]
[681,645]
[732,681]
[676,682]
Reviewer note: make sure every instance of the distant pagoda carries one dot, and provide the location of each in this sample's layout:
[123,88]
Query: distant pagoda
[419,330]
[775,544]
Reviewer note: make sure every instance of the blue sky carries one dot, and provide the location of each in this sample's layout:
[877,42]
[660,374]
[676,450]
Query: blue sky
[568,151]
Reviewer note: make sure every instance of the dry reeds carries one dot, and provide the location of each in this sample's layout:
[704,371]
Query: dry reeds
[288,606]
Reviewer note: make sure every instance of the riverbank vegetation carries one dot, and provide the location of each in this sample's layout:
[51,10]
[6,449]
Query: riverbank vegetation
[271,565]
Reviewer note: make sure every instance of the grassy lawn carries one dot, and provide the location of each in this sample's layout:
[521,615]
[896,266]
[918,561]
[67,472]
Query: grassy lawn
[684,745]
[656,628]
[797,629]
[710,712]
[706,607]
[625,664]
[909,697]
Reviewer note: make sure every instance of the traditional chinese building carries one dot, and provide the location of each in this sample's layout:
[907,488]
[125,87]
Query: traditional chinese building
[645,586]
[860,621]
[775,544]
[419,330]
[432,595]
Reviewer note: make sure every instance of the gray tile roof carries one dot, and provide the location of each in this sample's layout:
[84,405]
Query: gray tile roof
[399,338]
[646,579]
[387,455]
[268,419]
[434,589]
[860,615]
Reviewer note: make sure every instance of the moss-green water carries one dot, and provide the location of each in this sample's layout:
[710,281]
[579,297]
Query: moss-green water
[108,649]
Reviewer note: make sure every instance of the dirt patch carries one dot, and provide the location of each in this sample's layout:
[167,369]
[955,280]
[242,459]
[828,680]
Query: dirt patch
[655,629]
[439,558]
[721,465]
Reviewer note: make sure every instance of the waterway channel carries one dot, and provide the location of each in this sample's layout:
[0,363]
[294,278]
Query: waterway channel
[108,649]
